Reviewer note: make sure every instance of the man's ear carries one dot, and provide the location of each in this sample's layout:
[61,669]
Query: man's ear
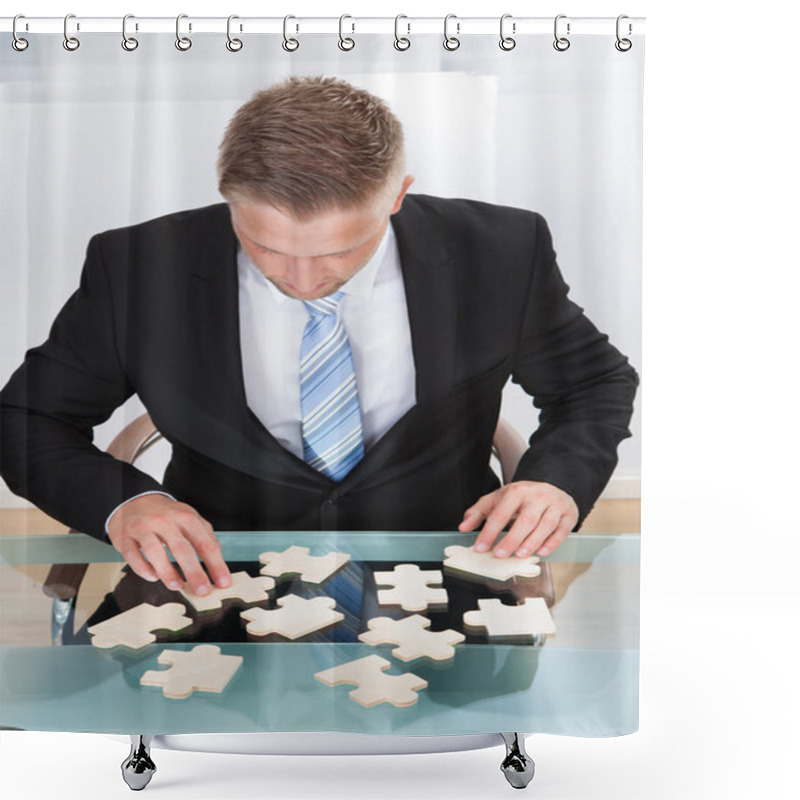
[407,181]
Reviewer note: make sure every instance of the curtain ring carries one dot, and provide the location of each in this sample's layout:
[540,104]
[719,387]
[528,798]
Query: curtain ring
[289,45]
[18,43]
[345,42]
[451,42]
[70,42]
[183,43]
[234,45]
[401,42]
[506,42]
[129,43]
[623,45]
[561,43]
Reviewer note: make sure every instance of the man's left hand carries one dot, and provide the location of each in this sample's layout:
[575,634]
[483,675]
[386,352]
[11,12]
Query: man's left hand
[543,517]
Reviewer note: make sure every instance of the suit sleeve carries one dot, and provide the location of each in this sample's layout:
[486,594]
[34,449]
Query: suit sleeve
[64,388]
[583,386]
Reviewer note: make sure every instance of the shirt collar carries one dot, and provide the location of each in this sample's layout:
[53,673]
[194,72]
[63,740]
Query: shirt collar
[359,285]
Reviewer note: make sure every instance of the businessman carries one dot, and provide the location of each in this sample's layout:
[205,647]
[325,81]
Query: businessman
[324,350]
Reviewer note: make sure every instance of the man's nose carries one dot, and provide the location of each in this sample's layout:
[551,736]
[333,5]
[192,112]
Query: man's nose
[303,274]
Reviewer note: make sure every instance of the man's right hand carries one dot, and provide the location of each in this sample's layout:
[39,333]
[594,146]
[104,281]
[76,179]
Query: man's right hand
[142,528]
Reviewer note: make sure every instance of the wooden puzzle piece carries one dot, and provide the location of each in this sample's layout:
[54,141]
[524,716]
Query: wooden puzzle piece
[500,620]
[414,640]
[468,561]
[297,561]
[202,669]
[243,588]
[411,591]
[374,687]
[133,628]
[296,617]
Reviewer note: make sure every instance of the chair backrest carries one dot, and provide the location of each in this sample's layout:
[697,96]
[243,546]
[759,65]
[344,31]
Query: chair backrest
[136,437]
[508,446]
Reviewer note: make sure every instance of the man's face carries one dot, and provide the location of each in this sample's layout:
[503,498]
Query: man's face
[311,258]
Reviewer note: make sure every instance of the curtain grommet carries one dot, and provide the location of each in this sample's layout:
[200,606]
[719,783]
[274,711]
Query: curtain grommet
[507,43]
[129,43]
[183,43]
[451,43]
[346,43]
[70,43]
[17,42]
[233,44]
[623,44]
[561,43]
[289,44]
[401,43]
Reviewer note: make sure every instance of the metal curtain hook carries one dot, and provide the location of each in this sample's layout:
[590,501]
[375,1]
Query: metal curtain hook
[623,45]
[182,42]
[401,42]
[345,42]
[561,43]
[70,42]
[129,43]
[234,45]
[290,45]
[506,42]
[18,43]
[451,42]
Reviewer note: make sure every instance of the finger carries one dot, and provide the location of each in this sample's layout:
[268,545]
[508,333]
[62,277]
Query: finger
[182,527]
[556,539]
[549,521]
[475,514]
[134,558]
[208,548]
[525,523]
[472,518]
[187,559]
[152,547]
[497,519]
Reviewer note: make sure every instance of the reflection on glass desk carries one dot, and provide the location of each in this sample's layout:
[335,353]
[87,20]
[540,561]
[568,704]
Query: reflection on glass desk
[582,680]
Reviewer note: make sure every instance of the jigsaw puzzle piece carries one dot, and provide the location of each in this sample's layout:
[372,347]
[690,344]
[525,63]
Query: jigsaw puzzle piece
[296,617]
[244,589]
[413,638]
[411,590]
[510,622]
[297,561]
[133,628]
[467,561]
[374,686]
[202,669]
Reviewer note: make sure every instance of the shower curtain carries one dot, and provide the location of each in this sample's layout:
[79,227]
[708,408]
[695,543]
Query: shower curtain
[99,136]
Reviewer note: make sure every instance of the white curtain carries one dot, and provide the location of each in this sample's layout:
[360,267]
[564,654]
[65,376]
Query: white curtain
[101,138]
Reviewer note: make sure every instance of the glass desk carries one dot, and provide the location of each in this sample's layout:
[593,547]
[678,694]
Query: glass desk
[582,680]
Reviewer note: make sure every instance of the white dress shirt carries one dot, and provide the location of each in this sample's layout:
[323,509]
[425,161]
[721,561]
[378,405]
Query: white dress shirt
[375,317]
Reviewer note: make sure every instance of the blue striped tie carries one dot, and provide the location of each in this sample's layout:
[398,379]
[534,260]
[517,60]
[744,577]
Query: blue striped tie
[331,416]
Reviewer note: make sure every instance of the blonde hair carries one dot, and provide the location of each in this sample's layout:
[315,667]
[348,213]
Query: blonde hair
[307,145]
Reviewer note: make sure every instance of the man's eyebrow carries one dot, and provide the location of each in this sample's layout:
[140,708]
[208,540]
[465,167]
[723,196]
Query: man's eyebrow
[323,255]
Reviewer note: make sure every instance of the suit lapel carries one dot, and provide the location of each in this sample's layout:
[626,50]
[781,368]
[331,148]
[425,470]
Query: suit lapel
[215,305]
[247,444]
[429,279]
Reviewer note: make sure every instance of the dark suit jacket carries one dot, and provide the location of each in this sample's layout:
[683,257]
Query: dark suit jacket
[157,314]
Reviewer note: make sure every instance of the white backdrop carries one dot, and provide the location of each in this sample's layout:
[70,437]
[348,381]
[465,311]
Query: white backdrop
[719,691]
